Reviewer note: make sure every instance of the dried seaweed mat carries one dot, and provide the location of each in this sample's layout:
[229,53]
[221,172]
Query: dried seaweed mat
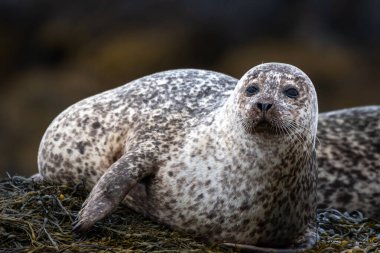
[37,217]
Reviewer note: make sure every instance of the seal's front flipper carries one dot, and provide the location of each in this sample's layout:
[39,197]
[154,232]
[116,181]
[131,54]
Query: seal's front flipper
[111,189]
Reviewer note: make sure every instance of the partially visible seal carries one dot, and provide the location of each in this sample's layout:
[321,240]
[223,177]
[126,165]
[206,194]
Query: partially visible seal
[232,161]
[349,160]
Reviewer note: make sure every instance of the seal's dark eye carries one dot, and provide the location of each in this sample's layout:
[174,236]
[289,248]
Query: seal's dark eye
[251,90]
[291,92]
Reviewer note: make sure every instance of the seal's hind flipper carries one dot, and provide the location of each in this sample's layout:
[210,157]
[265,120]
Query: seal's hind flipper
[110,190]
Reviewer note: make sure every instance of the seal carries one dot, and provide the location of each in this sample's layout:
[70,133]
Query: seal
[229,160]
[349,160]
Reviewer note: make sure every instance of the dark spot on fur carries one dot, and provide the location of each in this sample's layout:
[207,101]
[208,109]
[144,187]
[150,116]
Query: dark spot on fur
[245,221]
[180,181]
[211,215]
[81,147]
[57,137]
[52,169]
[200,196]
[244,207]
[211,190]
[344,198]
[96,125]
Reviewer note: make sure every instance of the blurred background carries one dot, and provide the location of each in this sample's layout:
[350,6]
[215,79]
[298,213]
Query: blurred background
[54,53]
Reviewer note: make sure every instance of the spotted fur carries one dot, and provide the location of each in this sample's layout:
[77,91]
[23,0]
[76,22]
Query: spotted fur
[189,148]
[349,160]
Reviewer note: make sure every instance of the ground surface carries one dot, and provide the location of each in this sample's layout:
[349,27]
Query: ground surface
[37,218]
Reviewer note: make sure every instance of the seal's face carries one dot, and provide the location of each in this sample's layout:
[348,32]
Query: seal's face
[276,100]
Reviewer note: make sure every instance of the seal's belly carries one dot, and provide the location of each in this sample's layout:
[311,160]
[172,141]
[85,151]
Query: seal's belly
[222,213]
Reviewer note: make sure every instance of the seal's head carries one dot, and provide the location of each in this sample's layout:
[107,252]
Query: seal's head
[274,98]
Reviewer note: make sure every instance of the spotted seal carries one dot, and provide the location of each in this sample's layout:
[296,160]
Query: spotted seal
[349,160]
[229,160]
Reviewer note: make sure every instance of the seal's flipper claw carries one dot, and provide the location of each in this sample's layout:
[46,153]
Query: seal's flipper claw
[108,192]
[79,227]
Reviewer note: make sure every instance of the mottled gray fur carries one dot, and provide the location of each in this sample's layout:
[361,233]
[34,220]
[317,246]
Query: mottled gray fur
[195,150]
[349,160]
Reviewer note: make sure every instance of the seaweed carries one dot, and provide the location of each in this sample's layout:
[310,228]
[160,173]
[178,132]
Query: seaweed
[37,217]
[347,232]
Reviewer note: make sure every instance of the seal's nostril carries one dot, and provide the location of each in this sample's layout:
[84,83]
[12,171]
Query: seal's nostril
[264,107]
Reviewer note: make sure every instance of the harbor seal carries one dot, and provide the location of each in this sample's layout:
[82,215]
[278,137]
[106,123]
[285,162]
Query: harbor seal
[349,160]
[229,160]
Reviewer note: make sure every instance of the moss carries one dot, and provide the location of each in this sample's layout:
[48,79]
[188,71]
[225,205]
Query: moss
[37,217]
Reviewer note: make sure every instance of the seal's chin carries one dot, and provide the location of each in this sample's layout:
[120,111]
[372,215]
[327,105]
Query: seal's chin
[265,126]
